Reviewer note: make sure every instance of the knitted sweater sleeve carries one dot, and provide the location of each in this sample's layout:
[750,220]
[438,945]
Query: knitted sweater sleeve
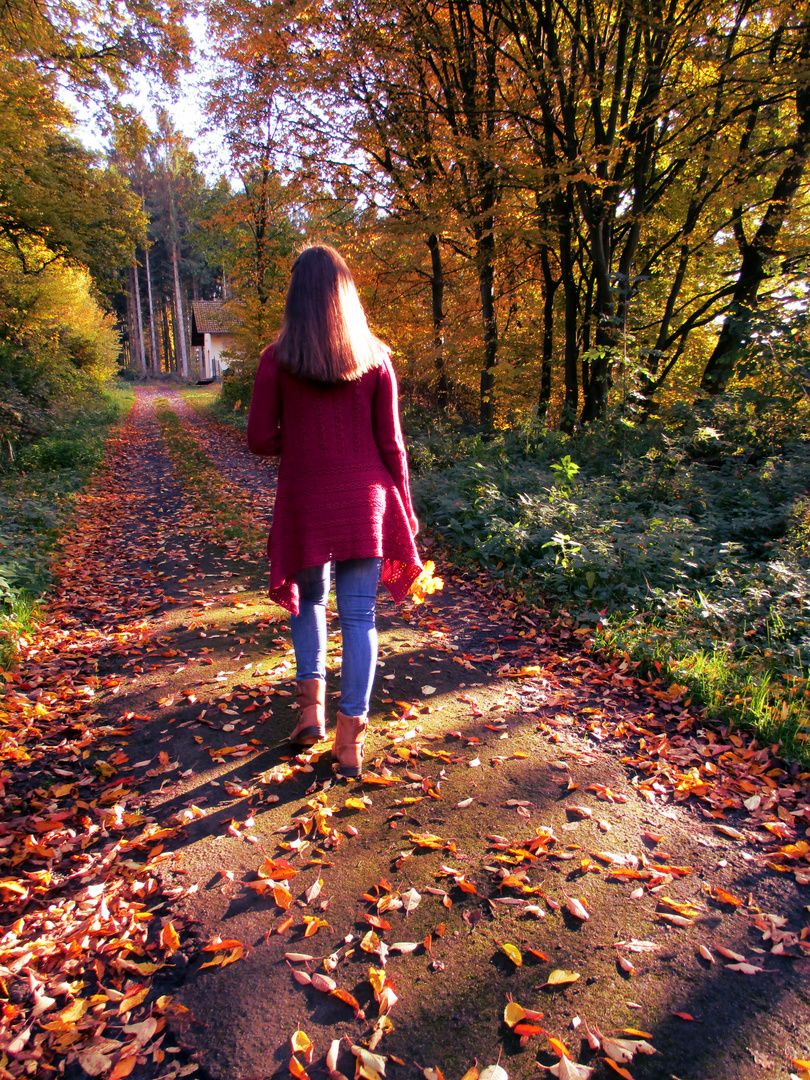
[264,418]
[388,433]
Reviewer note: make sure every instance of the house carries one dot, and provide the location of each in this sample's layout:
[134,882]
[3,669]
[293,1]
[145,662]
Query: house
[211,325]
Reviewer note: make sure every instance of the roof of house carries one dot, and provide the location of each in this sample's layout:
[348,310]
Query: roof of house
[210,317]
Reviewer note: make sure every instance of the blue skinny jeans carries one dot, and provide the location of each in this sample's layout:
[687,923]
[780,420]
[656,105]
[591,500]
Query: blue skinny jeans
[356,583]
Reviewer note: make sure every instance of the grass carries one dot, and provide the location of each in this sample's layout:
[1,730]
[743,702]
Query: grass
[225,508]
[37,491]
[210,401]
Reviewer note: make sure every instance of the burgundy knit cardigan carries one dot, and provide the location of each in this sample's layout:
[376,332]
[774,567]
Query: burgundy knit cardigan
[343,488]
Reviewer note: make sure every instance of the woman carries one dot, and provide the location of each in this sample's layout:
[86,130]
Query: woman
[325,399]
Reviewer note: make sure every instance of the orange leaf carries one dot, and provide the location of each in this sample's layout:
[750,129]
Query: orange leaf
[352,1002]
[222,946]
[276,870]
[537,953]
[725,897]
[298,1070]
[618,1069]
[558,1047]
[123,1068]
[169,939]
[377,922]
[283,897]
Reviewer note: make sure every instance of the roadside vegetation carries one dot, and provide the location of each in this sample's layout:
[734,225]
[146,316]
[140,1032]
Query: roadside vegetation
[37,487]
[228,401]
[682,543]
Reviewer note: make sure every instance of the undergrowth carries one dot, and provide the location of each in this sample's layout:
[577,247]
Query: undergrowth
[37,489]
[213,402]
[684,544]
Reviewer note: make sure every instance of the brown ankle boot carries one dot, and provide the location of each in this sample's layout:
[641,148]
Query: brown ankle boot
[311,727]
[350,744]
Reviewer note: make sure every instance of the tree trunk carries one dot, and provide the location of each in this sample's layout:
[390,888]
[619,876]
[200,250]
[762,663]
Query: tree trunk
[129,349]
[437,309]
[550,287]
[168,349]
[152,332]
[564,210]
[178,304]
[486,285]
[597,388]
[139,317]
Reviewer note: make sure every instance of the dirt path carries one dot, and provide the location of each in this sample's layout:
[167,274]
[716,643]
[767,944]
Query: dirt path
[155,823]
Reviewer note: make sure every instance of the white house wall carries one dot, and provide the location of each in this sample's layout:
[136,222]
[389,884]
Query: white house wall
[215,345]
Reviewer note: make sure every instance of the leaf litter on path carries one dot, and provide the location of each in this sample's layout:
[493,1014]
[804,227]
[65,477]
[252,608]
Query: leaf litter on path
[93,853]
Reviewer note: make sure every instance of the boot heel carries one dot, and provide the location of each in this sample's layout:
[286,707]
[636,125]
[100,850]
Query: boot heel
[350,744]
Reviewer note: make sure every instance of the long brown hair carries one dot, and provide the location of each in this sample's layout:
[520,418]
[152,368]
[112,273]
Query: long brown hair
[324,335]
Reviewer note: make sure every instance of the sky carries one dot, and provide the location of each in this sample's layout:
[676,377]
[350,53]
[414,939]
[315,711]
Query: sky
[185,106]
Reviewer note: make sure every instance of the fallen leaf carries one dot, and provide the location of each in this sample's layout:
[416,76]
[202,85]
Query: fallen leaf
[494,1072]
[577,908]
[513,1014]
[730,954]
[410,900]
[511,951]
[559,1047]
[559,977]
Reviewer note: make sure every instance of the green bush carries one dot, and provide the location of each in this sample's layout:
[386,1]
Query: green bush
[686,537]
[36,495]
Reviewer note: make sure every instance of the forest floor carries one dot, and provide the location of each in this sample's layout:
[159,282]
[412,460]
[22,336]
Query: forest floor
[536,824]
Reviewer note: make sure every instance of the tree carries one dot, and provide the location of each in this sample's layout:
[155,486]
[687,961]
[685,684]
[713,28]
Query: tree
[760,252]
[57,201]
[95,48]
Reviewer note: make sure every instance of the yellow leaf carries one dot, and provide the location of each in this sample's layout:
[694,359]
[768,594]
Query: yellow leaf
[512,951]
[559,977]
[370,942]
[233,956]
[426,584]
[302,1044]
[513,1013]
[131,1001]
[355,804]
[73,1012]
